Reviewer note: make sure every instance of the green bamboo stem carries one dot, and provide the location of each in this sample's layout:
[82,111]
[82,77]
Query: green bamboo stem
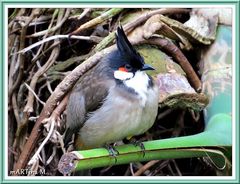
[129,153]
[207,143]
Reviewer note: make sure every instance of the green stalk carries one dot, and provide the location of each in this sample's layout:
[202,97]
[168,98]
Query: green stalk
[205,144]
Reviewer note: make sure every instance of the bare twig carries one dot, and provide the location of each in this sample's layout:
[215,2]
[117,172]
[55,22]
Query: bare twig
[105,16]
[52,156]
[89,38]
[13,60]
[35,157]
[34,14]
[195,115]
[40,20]
[41,33]
[161,165]
[15,109]
[56,43]
[47,82]
[170,170]
[45,36]
[29,88]
[53,120]
[145,167]
[131,169]
[164,113]
[83,14]
[33,169]
[177,168]
[29,106]
[60,140]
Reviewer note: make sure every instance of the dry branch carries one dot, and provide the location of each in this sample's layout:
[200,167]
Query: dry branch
[177,54]
[34,14]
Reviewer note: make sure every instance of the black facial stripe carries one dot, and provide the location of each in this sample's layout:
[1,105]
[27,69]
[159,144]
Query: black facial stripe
[150,82]
[122,85]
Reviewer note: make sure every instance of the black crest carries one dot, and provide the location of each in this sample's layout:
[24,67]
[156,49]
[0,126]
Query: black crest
[127,51]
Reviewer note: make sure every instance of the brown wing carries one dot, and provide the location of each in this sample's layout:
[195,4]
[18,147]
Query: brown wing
[87,96]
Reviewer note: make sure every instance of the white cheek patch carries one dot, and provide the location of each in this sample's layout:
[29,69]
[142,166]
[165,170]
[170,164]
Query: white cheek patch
[121,75]
[140,84]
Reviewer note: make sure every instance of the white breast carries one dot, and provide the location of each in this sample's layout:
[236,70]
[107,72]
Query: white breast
[140,84]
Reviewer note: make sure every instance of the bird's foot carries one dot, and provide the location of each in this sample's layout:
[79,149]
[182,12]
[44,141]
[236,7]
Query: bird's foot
[112,151]
[141,145]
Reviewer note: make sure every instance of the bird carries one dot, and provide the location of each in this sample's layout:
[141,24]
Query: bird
[114,100]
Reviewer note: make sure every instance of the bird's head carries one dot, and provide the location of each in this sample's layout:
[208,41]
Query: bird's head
[128,61]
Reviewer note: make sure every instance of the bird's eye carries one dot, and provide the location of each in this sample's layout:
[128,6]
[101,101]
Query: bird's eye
[128,67]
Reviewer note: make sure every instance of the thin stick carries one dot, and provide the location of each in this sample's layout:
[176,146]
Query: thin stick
[45,36]
[105,16]
[36,155]
[41,33]
[30,89]
[34,14]
[131,169]
[54,54]
[83,14]
[29,106]
[52,156]
[177,168]
[145,167]
[90,38]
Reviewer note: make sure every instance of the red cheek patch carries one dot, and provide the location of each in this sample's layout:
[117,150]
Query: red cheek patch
[122,69]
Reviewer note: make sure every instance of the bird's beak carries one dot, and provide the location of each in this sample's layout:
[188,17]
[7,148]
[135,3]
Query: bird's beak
[147,67]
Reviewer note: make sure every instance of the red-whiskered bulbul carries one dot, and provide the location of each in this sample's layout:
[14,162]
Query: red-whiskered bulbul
[114,100]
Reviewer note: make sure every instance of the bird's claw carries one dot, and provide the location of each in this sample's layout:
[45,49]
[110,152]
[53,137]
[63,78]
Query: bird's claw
[141,145]
[112,151]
